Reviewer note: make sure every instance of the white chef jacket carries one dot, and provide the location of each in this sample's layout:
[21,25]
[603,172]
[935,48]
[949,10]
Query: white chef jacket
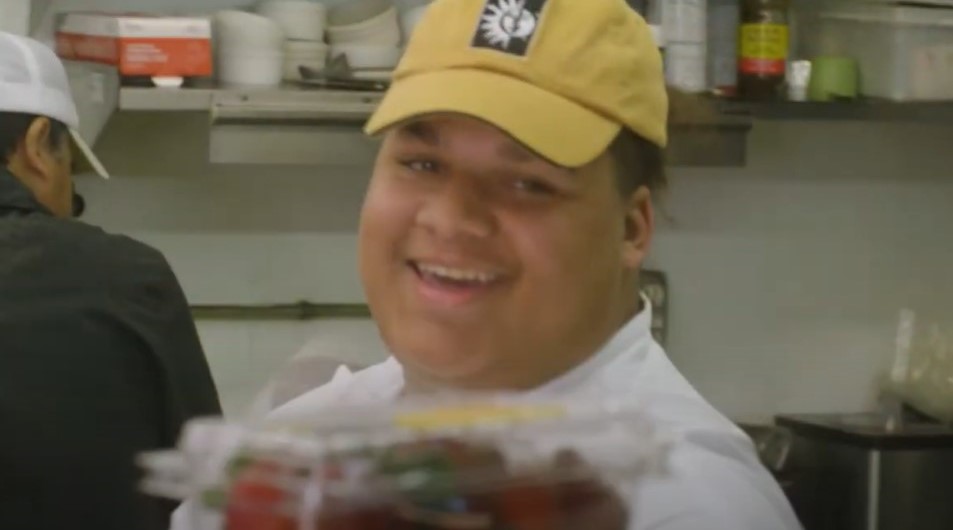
[713,481]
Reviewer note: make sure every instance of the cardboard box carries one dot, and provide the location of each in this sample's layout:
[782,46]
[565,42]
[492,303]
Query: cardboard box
[138,45]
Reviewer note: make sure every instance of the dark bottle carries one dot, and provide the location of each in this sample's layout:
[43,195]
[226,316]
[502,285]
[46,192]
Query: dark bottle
[763,43]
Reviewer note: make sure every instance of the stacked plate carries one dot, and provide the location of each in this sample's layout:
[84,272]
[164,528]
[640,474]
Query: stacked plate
[367,33]
[283,39]
[249,49]
[304,23]
[410,16]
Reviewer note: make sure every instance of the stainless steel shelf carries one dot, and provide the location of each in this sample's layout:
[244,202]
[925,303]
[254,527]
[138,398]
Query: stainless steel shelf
[938,112]
[293,99]
[297,125]
[296,99]
[161,99]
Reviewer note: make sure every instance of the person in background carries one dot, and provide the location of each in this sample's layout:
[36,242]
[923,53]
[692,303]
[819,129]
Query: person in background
[99,356]
[508,215]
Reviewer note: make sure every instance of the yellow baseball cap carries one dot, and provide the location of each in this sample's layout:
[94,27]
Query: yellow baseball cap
[563,77]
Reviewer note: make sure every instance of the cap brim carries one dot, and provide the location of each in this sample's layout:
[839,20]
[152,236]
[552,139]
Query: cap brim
[84,160]
[560,130]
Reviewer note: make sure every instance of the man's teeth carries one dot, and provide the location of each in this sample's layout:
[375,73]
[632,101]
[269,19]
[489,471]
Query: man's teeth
[459,275]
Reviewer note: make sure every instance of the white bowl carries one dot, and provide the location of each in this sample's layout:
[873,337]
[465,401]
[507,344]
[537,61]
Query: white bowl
[409,20]
[360,56]
[241,29]
[383,29]
[350,12]
[300,19]
[250,68]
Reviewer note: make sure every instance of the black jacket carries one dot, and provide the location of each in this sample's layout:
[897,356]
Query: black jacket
[99,360]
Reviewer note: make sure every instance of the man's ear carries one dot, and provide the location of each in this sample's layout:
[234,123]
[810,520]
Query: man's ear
[35,150]
[639,227]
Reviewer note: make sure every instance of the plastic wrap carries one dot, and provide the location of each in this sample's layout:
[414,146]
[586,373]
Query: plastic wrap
[489,463]
[922,371]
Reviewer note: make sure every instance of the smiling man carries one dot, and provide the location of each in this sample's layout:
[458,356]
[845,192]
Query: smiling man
[502,235]
[489,266]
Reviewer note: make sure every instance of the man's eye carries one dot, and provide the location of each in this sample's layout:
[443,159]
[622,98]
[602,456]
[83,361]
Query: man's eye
[533,187]
[424,166]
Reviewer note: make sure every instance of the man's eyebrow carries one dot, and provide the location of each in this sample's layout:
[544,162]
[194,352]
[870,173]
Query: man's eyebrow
[515,152]
[420,131]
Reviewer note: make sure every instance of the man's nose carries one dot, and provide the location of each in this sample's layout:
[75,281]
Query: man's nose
[457,210]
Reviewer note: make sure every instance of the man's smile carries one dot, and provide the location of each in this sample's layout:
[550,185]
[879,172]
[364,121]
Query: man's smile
[452,285]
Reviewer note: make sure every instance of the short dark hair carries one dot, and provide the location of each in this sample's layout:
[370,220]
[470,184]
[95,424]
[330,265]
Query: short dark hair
[638,162]
[13,128]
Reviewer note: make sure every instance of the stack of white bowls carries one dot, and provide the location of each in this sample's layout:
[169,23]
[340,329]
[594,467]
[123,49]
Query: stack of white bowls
[304,23]
[368,33]
[410,16]
[249,49]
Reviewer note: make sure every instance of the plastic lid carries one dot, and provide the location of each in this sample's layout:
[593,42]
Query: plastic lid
[448,464]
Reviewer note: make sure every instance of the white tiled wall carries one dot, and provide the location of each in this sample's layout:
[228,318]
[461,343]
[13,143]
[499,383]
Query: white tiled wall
[786,275]
[15,16]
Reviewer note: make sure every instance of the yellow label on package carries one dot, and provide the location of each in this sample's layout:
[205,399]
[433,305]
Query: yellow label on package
[764,41]
[476,415]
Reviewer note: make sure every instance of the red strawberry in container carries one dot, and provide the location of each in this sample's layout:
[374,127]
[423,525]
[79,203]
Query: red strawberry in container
[258,499]
[586,501]
[528,504]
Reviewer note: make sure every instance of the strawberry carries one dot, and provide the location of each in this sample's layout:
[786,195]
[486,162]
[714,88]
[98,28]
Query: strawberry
[256,503]
[528,505]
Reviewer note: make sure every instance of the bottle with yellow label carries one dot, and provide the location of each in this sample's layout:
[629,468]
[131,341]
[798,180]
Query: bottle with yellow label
[763,44]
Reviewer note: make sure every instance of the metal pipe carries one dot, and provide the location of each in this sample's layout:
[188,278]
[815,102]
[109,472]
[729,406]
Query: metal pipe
[277,312]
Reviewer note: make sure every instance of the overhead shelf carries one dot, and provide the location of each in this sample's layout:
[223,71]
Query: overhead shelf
[243,128]
[940,112]
[288,125]
[165,100]
[296,100]
[727,112]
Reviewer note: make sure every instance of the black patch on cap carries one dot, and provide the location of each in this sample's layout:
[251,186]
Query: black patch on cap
[508,26]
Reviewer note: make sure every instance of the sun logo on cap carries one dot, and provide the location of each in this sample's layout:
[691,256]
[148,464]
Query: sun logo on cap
[507,20]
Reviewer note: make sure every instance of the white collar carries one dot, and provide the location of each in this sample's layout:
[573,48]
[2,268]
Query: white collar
[636,330]
[384,381]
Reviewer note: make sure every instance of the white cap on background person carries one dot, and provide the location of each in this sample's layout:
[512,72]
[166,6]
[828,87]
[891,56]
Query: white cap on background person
[34,81]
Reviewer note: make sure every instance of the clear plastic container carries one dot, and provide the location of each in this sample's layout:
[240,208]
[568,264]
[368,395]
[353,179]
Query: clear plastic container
[490,463]
[905,53]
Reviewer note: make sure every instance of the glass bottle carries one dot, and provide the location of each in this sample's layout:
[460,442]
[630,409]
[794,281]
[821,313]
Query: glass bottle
[763,46]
